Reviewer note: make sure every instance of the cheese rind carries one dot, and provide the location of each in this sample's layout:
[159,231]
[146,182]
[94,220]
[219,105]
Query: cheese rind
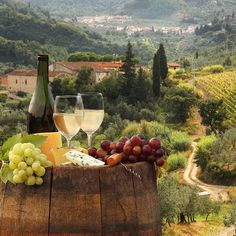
[81,159]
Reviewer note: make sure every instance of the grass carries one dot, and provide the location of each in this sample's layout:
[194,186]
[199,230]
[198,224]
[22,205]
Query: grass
[193,229]
[200,228]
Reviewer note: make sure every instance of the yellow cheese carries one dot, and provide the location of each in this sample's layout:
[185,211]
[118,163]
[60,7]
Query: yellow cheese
[53,141]
[58,154]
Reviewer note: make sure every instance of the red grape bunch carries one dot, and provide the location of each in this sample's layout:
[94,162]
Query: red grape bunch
[132,150]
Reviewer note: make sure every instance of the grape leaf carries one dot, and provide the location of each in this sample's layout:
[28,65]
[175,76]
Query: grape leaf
[7,145]
[5,157]
[6,174]
[37,140]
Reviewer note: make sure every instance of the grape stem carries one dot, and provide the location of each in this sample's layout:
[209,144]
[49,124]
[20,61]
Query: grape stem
[2,165]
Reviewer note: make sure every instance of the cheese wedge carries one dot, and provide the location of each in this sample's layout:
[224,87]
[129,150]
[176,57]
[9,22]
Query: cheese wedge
[53,141]
[59,154]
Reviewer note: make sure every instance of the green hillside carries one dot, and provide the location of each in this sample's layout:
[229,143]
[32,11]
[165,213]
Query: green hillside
[190,10]
[187,10]
[72,8]
[217,40]
[154,8]
[25,32]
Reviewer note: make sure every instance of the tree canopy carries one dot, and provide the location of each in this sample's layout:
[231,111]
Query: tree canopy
[156,75]
[213,115]
[178,102]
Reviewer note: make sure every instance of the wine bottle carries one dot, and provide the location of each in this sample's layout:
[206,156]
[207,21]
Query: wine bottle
[40,112]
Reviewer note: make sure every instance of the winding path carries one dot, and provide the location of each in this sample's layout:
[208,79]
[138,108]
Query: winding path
[216,192]
[229,231]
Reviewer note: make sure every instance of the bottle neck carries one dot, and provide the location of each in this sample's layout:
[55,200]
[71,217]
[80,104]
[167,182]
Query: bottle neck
[42,79]
[43,69]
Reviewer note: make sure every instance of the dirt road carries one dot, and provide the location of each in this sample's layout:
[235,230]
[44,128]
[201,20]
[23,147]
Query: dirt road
[216,192]
[227,231]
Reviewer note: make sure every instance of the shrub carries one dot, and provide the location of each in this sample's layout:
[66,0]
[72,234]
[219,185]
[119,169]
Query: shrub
[110,133]
[132,129]
[180,141]
[113,126]
[213,69]
[138,128]
[147,114]
[21,94]
[179,98]
[3,98]
[172,72]
[203,153]
[230,218]
[159,130]
[186,86]
[127,111]
[176,161]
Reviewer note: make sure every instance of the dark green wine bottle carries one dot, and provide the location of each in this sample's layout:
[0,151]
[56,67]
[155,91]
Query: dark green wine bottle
[40,112]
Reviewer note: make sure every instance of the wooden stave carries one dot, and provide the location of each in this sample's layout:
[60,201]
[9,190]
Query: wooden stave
[134,190]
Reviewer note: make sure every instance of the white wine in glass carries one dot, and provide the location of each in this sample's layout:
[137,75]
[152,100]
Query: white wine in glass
[93,113]
[68,116]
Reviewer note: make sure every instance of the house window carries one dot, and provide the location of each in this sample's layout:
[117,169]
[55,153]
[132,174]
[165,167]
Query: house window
[26,81]
[16,81]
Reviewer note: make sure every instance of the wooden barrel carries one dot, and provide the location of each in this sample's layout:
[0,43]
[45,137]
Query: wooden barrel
[84,201]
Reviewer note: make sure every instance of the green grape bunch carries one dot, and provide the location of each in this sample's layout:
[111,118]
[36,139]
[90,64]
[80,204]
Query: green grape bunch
[28,164]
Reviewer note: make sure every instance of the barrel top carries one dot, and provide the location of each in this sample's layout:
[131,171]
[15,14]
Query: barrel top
[128,165]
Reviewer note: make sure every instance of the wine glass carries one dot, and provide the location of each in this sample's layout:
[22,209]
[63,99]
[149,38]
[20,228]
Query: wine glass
[93,113]
[68,115]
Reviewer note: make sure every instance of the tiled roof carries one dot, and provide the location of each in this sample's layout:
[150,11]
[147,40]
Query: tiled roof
[32,73]
[98,66]
[174,65]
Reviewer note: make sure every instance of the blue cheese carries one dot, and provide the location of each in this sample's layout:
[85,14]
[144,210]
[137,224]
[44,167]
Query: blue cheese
[82,159]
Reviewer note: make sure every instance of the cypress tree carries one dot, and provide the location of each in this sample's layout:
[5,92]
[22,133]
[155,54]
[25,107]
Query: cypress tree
[156,75]
[163,62]
[129,71]
[142,86]
[129,64]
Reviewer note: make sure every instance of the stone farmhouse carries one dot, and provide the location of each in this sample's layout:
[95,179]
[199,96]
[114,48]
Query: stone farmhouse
[174,65]
[100,70]
[25,80]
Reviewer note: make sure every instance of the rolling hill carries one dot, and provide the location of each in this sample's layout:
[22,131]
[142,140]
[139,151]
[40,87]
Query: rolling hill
[26,32]
[151,9]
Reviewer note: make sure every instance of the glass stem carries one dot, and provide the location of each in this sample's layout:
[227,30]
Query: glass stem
[68,143]
[89,140]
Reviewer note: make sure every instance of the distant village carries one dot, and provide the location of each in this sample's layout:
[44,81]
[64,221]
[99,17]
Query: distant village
[127,24]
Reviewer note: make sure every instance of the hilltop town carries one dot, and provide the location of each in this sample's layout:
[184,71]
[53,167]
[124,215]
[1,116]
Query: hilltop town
[129,25]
